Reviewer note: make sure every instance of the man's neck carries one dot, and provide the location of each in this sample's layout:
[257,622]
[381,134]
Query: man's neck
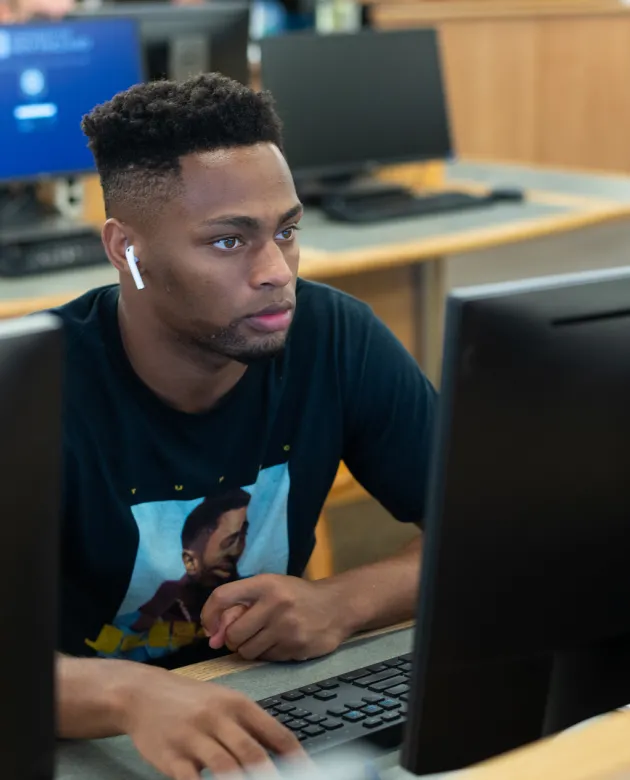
[176,376]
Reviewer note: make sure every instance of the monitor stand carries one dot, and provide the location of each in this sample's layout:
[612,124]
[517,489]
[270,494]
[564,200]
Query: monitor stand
[313,192]
[23,217]
[20,206]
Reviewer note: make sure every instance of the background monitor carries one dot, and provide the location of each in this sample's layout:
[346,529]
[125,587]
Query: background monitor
[182,41]
[352,101]
[523,620]
[51,74]
[30,488]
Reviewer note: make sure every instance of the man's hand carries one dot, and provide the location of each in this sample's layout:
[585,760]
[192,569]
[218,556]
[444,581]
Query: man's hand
[182,726]
[276,618]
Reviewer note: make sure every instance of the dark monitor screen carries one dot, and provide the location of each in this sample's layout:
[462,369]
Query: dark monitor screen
[349,102]
[182,41]
[31,363]
[51,74]
[523,619]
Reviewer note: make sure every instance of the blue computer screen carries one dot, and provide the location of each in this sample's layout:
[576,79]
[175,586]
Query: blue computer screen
[51,74]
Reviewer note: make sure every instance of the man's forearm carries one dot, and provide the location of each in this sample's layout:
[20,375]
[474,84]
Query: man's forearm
[379,594]
[92,694]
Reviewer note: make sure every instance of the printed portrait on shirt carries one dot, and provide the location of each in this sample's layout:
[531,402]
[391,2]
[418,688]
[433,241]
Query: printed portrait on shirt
[213,540]
[186,550]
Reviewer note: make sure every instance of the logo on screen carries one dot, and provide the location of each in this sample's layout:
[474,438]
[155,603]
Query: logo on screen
[5,45]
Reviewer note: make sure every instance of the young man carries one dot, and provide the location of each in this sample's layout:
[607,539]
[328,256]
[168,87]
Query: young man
[220,371]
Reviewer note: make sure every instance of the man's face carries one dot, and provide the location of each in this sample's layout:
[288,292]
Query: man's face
[222,261]
[213,557]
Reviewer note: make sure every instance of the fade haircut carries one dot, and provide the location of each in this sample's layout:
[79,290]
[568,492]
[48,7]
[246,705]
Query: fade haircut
[204,518]
[138,137]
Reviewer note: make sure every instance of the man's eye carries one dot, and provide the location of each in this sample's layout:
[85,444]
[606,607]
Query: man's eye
[228,243]
[287,234]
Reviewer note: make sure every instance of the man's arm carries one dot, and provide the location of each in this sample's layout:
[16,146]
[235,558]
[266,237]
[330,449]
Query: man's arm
[281,618]
[91,696]
[382,593]
[178,725]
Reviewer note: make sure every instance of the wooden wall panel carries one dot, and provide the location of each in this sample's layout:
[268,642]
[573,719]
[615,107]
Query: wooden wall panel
[584,92]
[545,82]
[490,74]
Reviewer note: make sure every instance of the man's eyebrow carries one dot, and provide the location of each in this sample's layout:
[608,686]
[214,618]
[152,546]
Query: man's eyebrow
[296,211]
[234,220]
[250,223]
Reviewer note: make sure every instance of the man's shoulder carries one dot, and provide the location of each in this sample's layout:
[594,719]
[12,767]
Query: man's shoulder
[86,309]
[326,305]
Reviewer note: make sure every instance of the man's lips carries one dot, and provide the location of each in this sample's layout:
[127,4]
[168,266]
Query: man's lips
[272,319]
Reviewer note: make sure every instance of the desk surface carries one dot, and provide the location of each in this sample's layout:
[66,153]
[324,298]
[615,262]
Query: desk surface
[558,202]
[599,751]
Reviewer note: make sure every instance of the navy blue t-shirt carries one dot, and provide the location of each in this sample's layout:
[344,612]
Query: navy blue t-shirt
[161,506]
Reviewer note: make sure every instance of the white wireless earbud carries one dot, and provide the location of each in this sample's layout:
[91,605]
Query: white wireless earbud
[132,262]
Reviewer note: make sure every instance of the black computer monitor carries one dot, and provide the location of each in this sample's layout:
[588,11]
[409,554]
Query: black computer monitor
[51,74]
[523,624]
[350,102]
[30,479]
[182,41]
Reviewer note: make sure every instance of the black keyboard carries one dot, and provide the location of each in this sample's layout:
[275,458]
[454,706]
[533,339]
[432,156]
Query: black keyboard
[395,205]
[365,705]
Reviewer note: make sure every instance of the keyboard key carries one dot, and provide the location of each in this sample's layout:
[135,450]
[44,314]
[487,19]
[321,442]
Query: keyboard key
[388,717]
[316,718]
[309,690]
[406,668]
[407,657]
[366,682]
[386,684]
[268,704]
[284,718]
[404,697]
[325,695]
[353,716]
[293,696]
[372,723]
[284,708]
[298,713]
[375,668]
[328,685]
[352,676]
[397,690]
[331,724]
[389,704]
[393,662]
[296,725]
[372,709]
[337,711]
[301,736]
[372,698]
[314,731]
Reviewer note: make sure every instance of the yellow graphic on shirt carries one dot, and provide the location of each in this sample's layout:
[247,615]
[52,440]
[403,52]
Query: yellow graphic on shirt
[112,640]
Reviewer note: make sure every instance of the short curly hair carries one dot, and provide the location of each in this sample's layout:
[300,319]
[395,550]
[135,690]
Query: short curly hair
[204,518]
[138,137]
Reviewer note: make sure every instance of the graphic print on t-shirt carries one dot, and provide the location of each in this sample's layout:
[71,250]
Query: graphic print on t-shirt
[187,549]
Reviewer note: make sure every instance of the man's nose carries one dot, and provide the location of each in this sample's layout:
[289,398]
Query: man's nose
[270,268]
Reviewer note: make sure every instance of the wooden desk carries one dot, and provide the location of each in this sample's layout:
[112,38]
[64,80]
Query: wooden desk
[599,751]
[399,266]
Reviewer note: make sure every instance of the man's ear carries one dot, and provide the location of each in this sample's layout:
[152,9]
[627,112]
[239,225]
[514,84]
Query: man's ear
[117,236]
[190,562]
